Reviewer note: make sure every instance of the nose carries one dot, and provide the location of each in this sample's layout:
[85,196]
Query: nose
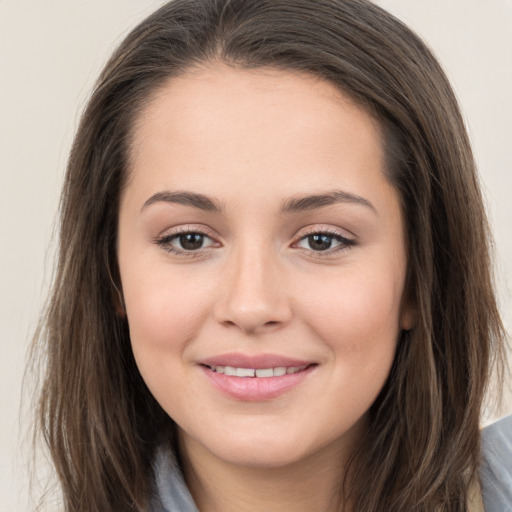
[253,296]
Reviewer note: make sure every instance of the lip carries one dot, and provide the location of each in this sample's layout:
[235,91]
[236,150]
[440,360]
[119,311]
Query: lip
[255,389]
[258,361]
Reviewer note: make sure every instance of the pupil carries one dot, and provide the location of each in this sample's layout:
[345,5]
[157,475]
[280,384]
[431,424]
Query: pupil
[320,242]
[191,241]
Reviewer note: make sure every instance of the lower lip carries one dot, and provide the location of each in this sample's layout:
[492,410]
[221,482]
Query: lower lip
[256,389]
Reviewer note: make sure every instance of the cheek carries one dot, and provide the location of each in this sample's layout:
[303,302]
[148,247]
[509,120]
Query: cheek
[163,313]
[356,313]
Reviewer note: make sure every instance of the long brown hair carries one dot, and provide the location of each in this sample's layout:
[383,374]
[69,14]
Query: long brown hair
[421,453]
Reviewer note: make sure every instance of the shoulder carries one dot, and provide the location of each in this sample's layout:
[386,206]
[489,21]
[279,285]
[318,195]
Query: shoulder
[170,490]
[496,468]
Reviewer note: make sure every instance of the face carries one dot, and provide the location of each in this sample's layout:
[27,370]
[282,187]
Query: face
[262,260]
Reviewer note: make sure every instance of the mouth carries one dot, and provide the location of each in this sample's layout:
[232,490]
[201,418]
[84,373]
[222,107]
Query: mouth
[260,373]
[256,378]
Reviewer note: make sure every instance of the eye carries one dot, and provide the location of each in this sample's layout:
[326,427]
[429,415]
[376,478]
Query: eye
[185,242]
[325,241]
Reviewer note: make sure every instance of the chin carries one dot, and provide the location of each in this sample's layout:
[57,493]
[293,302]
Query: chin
[265,449]
[257,457]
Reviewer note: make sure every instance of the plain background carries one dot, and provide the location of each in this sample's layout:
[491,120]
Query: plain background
[51,52]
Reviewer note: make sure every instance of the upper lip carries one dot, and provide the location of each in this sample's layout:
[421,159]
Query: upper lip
[259,361]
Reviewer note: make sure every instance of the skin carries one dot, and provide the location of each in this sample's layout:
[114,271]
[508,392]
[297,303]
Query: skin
[253,139]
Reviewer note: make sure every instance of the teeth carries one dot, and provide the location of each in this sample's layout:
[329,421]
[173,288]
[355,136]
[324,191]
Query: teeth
[245,372]
[279,371]
[265,372]
[229,370]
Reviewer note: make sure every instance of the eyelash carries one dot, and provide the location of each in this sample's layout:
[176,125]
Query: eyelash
[345,242]
[165,242]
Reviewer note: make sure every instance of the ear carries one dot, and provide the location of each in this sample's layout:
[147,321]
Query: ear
[408,307]
[407,317]
[119,304]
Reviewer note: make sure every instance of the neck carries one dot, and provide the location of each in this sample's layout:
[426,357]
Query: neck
[314,483]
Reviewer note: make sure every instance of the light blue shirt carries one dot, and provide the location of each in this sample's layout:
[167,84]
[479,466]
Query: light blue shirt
[496,470]
[172,494]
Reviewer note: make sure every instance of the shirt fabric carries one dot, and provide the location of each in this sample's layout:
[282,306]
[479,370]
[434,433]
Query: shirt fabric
[496,470]
[172,494]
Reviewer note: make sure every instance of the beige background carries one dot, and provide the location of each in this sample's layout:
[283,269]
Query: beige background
[50,53]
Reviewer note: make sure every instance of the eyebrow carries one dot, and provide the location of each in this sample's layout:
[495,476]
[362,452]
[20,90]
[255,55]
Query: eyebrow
[186,198]
[312,202]
[291,205]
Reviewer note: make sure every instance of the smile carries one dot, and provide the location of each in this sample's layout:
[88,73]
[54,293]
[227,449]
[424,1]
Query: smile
[256,378]
[278,371]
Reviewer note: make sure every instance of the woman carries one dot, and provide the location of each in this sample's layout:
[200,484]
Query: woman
[273,289]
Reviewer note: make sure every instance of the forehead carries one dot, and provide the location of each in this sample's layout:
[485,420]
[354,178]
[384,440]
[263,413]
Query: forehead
[221,82]
[251,133]
[213,101]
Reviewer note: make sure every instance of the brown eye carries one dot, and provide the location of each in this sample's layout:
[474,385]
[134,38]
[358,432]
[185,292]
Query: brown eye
[320,242]
[191,241]
[185,242]
[325,242]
